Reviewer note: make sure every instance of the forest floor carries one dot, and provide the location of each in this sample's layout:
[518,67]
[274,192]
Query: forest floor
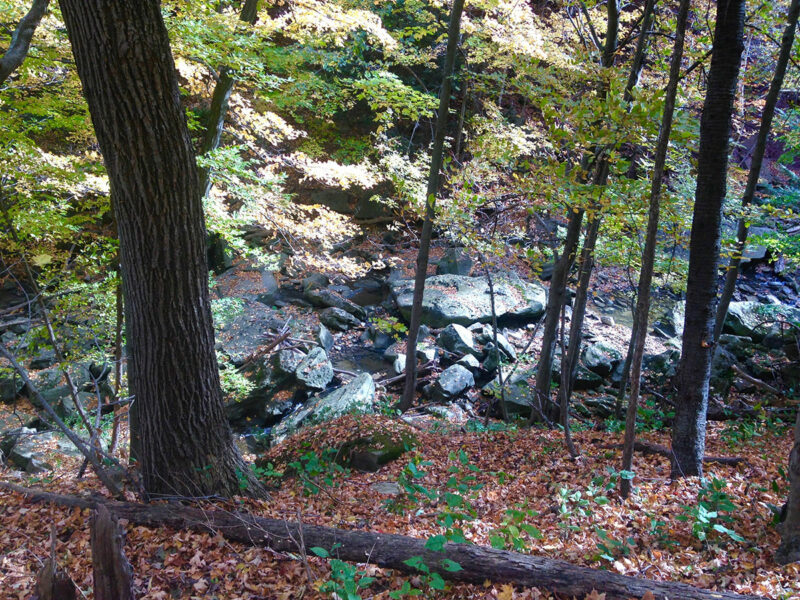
[572,504]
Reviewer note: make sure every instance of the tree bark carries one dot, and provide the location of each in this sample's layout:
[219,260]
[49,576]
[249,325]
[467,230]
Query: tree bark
[768,112]
[789,549]
[180,436]
[478,563]
[21,39]
[112,573]
[453,33]
[219,103]
[689,428]
[642,312]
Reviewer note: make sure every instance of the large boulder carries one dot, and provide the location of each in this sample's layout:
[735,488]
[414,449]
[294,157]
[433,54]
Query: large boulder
[756,320]
[467,300]
[11,386]
[325,297]
[357,396]
[315,371]
[520,391]
[453,381]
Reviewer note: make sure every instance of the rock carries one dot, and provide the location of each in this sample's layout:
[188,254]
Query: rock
[600,358]
[326,297]
[600,406]
[219,253]
[426,352]
[44,359]
[661,366]
[492,359]
[456,339]
[452,412]
[315,281]
[466,300]
[740,347]
[452,382]
[454,262]
[399,364]
[367,292]
[287,360]
[506,347]
[337,319]
[607,320]
[386,488]
[324,338]
[393,351]
[11,386]
[671,324]
[241,332]
[315,371]
[371,453]
[756,320]
[18,447]
[357,396]
[520,392]
[469,361]
[262,403]
[721,373]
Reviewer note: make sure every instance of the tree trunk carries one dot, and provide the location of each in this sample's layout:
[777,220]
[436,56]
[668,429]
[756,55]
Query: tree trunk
[180,436]
[21,39]
[478,563]
[689,428]
[789,550]
[755,166]
[544,407]
[219,103]
[430,206]
[112,573]
[642,312]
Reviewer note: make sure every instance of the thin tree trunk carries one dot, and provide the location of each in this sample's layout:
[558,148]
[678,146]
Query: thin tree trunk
[642,312]
[21,39]
[592,231]
[219,103]
[789,550]
[767,114]
[689,427]
[180,436]
[544,407]
[430,206]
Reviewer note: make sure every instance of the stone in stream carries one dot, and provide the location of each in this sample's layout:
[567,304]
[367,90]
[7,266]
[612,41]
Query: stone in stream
[324,338]
[337,319]
[315,371]
[287,360]
[466,300]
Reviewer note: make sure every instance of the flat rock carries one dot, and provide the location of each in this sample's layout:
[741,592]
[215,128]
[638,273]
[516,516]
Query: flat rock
[453,381]
[315,371]
[466,300]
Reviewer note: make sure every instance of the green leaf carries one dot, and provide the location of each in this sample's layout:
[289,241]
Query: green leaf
[436,543]
[436,582]
[451,565]
[321,552]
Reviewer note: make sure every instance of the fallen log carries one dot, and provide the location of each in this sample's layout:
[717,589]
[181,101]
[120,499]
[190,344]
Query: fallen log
[650,448]
[478,563]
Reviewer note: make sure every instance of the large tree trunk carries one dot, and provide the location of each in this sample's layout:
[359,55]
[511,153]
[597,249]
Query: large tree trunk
[642,312]
[219,103]
[755,166]
[478,563]
[180,436]
[689,428]
[437,152]
[789,550]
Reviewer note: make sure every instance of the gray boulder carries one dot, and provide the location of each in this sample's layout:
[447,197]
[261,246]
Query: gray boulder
[452,382]
[315,371]
[456,339]
[324,338]
[469,361]
[520,392]
[357,396]
[466,300]
[326,297]
[338,319]
[756,320]
[11,386]
[287,360]
[600,358]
